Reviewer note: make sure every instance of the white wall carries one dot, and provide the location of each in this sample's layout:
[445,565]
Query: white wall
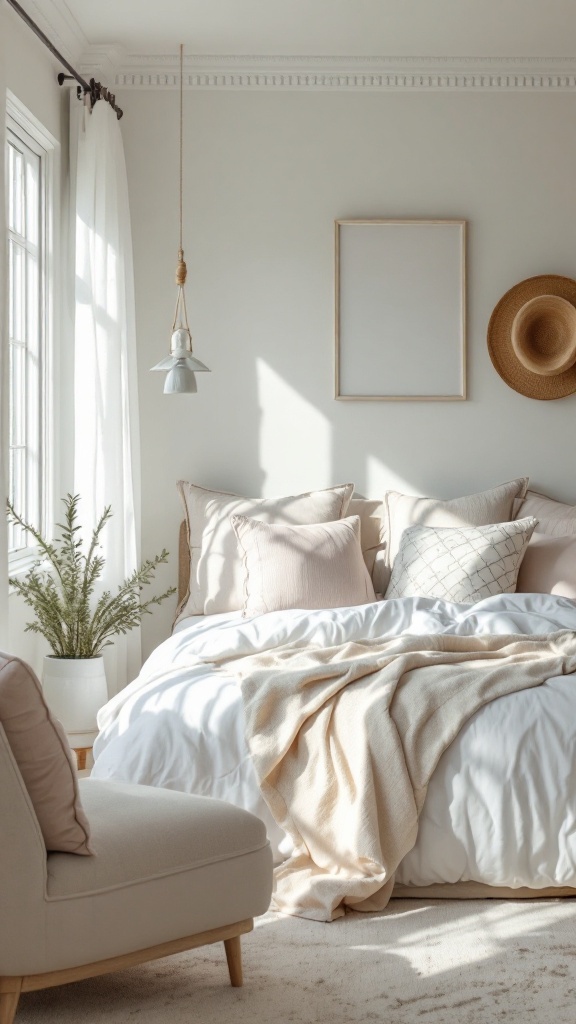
[29,72]
[266,175]
[31,75]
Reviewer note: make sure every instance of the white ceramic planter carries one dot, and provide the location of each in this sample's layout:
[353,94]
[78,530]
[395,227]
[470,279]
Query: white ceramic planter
[75,690]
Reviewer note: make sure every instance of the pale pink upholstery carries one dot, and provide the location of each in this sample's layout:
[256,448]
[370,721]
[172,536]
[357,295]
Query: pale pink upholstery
[44,758]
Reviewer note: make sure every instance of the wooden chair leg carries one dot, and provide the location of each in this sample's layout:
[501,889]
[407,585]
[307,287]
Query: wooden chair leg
[234,958]
[8,1004]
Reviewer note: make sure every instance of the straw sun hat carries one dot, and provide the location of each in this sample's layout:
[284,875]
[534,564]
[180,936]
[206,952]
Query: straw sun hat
[532,337]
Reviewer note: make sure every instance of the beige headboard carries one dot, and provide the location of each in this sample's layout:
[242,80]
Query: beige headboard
[183,562]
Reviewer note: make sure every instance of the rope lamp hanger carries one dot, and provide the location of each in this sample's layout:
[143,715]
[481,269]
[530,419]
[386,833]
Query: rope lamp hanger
[181,365]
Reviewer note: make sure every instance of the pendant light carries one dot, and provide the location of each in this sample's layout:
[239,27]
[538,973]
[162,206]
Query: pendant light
[181,365]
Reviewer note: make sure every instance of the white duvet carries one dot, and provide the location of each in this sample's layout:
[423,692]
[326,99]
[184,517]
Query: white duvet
[501,805]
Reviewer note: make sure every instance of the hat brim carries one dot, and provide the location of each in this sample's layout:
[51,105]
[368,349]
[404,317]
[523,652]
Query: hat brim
[505,360]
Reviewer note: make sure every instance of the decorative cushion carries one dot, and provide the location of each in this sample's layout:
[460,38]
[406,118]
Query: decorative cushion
[216,574]
[460,564]
[317,566]
[372,512]
[549,564]
[544,508]
[45,761]
[497,505]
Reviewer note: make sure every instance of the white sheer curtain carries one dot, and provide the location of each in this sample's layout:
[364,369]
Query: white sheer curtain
[4,429]
[107,451]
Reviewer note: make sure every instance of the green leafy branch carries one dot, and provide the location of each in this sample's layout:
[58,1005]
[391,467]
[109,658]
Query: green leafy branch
[59,588]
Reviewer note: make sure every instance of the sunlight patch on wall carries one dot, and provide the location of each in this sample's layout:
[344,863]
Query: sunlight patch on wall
[290,426]
[380,478]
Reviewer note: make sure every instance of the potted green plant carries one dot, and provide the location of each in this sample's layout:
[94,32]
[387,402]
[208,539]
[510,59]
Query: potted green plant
[60,589]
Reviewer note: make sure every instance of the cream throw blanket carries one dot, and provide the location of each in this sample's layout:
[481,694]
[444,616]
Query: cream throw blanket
[344,740]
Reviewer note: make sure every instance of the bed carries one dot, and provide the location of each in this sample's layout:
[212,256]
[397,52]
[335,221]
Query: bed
[499,818]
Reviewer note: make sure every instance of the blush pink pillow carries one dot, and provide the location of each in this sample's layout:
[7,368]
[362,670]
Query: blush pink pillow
[547,510]
[45,761]
[549,564]
[319,566]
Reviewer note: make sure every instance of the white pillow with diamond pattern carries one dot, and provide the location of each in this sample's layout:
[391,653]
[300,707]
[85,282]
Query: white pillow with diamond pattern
[460,564]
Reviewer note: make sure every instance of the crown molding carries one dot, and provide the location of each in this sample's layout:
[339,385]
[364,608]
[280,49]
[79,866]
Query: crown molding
[102,62]
[121,70]
[161,71]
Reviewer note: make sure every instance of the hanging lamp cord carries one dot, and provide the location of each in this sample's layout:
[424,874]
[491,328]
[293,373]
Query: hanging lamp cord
[181,267]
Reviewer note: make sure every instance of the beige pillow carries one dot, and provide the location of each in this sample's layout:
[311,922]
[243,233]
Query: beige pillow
[317,566]
[544,508]
[372,512]
[497,505]
[45,761]
[461,564]
[216,574]
[549,564]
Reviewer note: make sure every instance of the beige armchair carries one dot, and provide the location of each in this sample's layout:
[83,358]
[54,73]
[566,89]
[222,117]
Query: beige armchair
[170,872]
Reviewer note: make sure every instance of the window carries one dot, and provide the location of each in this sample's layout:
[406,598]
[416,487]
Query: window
[29,308]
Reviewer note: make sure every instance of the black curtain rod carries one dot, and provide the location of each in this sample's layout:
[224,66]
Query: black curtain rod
[95,89]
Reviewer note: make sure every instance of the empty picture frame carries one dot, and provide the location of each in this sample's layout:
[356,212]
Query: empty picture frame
[400,310]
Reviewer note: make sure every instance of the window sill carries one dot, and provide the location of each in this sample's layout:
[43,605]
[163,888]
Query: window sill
[20,565]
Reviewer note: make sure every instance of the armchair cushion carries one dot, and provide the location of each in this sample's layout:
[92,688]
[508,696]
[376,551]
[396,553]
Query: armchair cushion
[45,761]
[142,833]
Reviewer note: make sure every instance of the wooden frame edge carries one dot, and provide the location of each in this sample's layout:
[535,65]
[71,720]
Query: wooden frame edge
[464,319]
[479,891]
[183,562]
[33,982]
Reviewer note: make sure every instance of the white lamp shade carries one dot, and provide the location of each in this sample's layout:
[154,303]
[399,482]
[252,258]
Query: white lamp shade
[165,364]
[180,380]
[191,362]
[194,364]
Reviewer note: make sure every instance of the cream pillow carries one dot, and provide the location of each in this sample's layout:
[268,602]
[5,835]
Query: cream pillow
[45,761]
[216,574]
[460,564]
[549,565]
[317,566]
[372,512]
[497,505]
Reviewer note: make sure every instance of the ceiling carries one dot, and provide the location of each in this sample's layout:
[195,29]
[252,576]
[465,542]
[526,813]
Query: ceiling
[355,28]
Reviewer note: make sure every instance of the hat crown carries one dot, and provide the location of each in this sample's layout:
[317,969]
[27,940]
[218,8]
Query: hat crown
[543,335]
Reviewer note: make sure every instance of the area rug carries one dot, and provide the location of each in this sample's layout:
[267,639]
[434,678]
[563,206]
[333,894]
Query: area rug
[433,962]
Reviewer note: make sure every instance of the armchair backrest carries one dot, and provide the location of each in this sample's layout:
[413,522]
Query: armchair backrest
[22,859]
